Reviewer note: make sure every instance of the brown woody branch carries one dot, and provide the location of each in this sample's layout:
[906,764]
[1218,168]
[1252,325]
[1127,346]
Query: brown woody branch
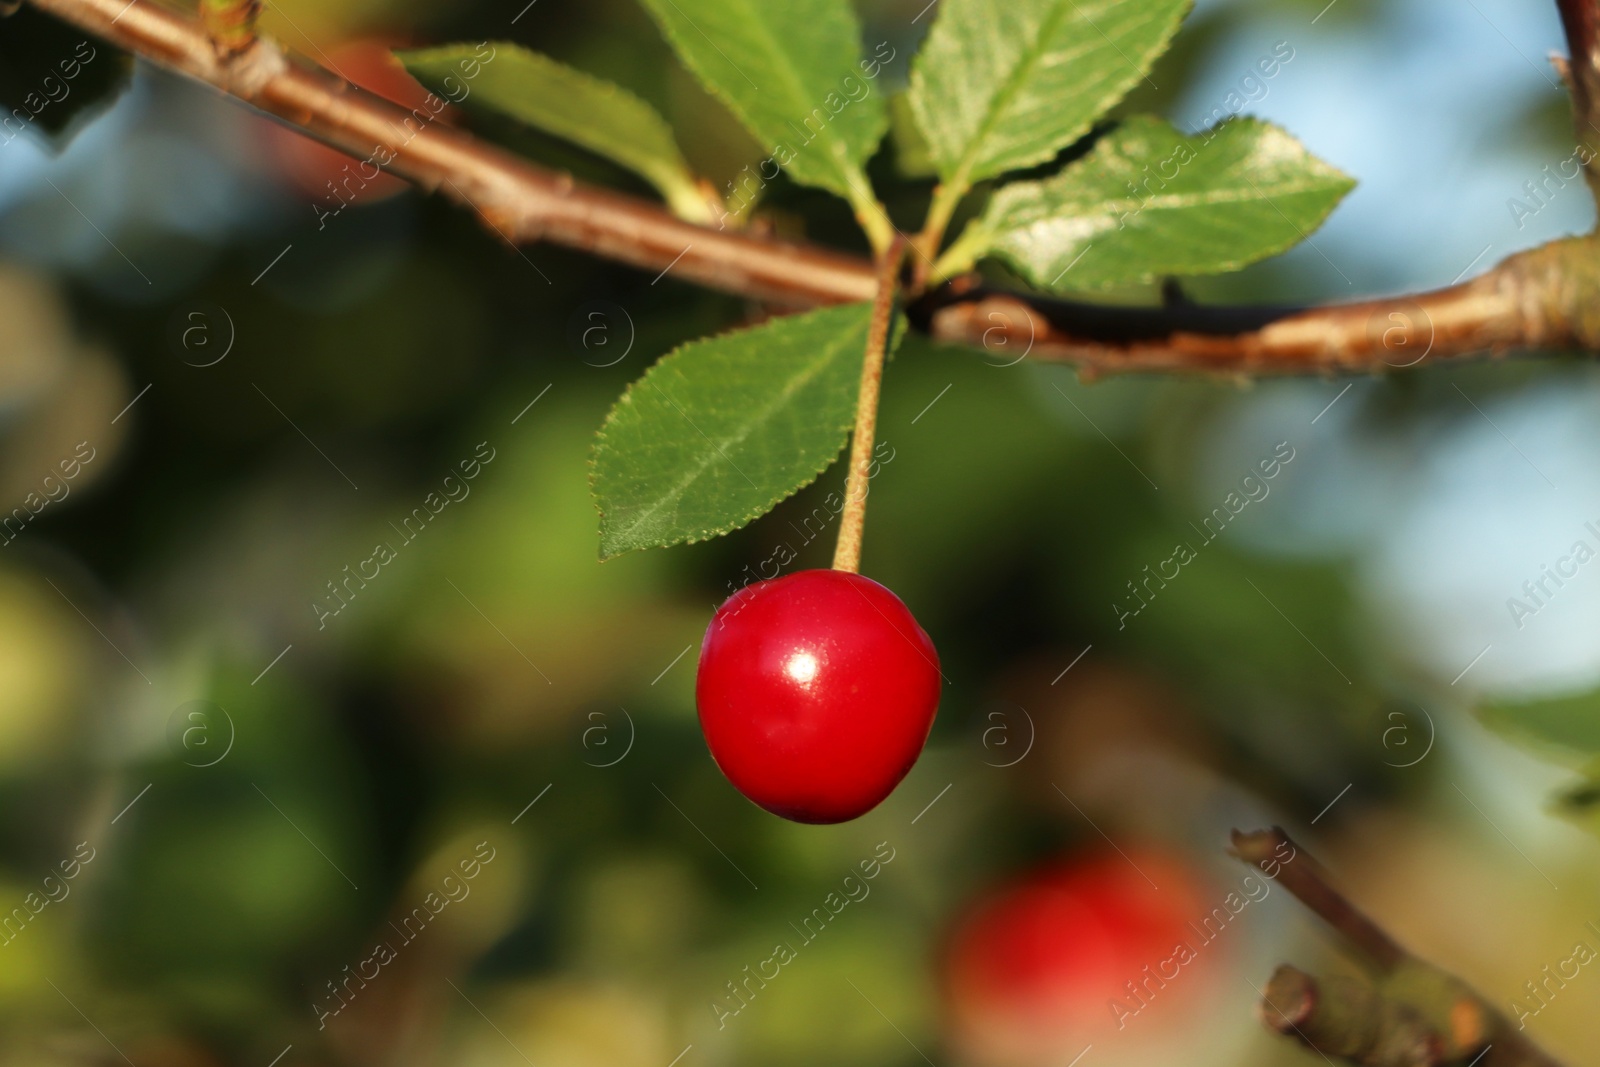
[1581,21]
[1343,1017]
[1537,300]
[519,200]
[1410,1014]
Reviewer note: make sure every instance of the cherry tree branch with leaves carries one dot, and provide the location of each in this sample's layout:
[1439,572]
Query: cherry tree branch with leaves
[1534,301]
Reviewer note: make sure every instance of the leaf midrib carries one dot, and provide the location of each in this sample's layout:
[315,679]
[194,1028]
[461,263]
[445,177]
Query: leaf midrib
[1180,201]
[1001,99]
[838,151]
[652,153]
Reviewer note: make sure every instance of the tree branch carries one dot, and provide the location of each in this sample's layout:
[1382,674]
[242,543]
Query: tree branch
[1541,299]
[1349,1019]
[1275,854]
[1581,21]
[1411,1014]
[519,200]
[1535,300]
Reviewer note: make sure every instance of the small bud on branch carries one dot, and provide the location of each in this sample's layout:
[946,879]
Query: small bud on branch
[231,24]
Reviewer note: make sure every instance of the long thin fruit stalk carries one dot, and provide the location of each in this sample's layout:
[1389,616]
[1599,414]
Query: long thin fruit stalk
[847,554]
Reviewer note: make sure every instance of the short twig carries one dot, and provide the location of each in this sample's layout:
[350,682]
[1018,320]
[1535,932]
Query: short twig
[1410,1014]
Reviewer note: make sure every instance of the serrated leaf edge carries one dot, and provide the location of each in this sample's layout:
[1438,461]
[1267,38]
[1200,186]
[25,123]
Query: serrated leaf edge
[601,442]
[671,176]
[962,170]
[853,173]
[1334,181]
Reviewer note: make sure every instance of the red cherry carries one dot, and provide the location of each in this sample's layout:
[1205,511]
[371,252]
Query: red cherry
[816,693]
[1039,961]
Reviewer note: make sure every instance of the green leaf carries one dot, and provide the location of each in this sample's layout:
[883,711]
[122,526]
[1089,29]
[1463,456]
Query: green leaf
[1148,201]
[722,429]
[1579,803]
[1570,722]
[1005,85]
[1566,729]
[793,74]
[560,100]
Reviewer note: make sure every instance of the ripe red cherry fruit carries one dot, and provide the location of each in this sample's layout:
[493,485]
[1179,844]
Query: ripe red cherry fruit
[816,693]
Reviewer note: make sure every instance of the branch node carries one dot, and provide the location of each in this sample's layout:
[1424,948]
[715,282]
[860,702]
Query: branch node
[1343,1017]
[250,71]
[1412,1014]
[231,25]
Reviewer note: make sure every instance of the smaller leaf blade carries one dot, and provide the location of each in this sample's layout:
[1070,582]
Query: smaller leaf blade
[1579,802]
[548,95]
[1148,201]
[1569,722]
[793,74]
[720,430]
[1001,86]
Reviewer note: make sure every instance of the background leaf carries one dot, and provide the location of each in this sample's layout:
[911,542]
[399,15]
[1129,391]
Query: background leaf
[1148,201]
[1000,86]
[1579,803]
[590,112]
[1570,722]
[722,429]
[794,75]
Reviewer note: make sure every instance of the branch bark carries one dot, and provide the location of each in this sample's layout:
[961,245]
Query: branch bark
[1536,300]
[1581,21]
[1539,300]
[1349,1019]
[517,199]
[1410,1013]
[1276,855]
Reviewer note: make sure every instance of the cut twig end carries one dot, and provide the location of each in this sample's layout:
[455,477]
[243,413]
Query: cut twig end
[1257,846]
[1289,1000]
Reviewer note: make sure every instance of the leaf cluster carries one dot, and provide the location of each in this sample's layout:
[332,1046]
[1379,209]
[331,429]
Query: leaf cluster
[723,429]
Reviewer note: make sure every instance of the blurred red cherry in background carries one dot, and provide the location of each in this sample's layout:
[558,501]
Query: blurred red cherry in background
[1037,969]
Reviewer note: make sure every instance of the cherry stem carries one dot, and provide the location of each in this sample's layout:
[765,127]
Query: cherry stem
[852,521]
